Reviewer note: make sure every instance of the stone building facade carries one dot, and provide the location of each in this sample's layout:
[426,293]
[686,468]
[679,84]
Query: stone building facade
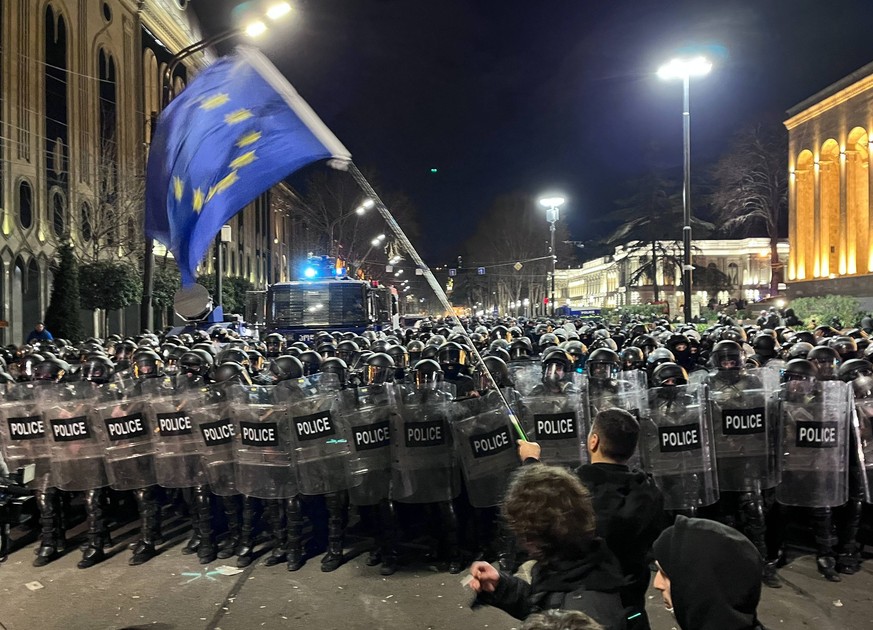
[81,82]
[736,269]
[830,221]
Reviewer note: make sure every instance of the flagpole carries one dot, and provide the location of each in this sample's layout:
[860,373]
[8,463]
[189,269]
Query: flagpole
[431,280]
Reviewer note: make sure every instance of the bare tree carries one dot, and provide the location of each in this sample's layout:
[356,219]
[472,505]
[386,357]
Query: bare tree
[751,187]
[110,221]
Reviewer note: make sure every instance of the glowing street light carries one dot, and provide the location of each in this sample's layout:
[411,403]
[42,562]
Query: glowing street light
[255,29]
[278,10]
[553,213]
[685,69]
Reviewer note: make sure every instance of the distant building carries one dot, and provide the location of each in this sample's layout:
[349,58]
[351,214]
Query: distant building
[81,87]
[735,269]
[830,180]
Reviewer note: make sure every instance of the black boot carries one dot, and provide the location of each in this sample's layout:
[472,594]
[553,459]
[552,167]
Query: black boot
[507,554]
[825,539]
[144,549]
[275,512]
[245,549]
[5,529]
[50,545]
[227,547]
[769,576]
[827,566]
[334,558]
[452,540]
[98,533]
[203,514]
[294,544]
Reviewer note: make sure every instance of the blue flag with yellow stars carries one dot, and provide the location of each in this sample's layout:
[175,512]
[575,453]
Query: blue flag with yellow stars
[236,130]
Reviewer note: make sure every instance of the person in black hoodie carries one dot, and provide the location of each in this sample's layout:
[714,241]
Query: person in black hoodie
[550,512]
[709,575]
[628,506]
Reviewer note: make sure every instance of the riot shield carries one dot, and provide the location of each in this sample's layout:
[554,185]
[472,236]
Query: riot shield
[369,413]
[76,451]
[262,443]
[862,447]
[628,392]
[320,438]
[423,466]
[526,375]
[485,442]
[745,431]
[177,446]
[214,428]
[815,447]
[556,422]
[122,425]
[22,430]
[676,446]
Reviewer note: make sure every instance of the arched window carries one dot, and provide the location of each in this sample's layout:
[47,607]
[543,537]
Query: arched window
[734,274]
[25,204]
[59,214]
[85,222]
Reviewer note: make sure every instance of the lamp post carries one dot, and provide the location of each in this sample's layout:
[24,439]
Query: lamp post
[275,12]
[685,69]
[360,211]
[553,214]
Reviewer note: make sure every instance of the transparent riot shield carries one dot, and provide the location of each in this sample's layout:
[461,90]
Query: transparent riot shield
[745,430]
[862,447]
[369,412]
[22,431]
[123,426]
[525,375]
[76,451]
[262,443]
[485,442]
[628,392]
[214,428]
[320,438]
[557,423]
[177,446]
[423,466]
[815,446]
[676,446]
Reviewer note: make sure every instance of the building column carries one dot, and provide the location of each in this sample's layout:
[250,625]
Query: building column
[792,225]
[817,223]
[869,253]
[844,218]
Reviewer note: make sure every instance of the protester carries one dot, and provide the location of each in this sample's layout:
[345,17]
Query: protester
[550,512]
[629,507]
[39,333]
[709,575]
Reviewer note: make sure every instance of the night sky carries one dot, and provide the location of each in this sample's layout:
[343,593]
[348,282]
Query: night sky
[552,95]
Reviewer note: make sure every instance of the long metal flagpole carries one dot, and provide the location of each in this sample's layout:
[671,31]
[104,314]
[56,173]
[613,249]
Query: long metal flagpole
[432,281]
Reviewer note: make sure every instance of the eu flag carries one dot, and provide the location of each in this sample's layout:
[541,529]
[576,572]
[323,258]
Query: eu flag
[236,130]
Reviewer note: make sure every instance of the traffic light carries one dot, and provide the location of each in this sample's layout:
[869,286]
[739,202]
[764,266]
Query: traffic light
[545,301]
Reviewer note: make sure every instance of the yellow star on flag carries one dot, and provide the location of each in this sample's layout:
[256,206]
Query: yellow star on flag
[249,138]
[198,200]
[237,116]
[222,185]
[244,160]
[214,101]
[178,188]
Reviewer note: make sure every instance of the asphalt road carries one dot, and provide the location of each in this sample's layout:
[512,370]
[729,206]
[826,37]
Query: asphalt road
[173,591]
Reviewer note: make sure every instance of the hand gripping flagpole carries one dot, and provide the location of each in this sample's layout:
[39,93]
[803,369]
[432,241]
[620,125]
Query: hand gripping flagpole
[431,280]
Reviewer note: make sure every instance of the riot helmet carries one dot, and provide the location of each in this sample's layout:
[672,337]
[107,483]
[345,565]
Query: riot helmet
[826,362]
[557,367]
[452,359]
[669,375]
[286,367]
[520,348]
[379,369]
[98,370]
[427,374]
[728,355]
[311,361]
[632,358]
[335,365]
[603,364]
[147,364]
[853,368]
[231,372]
[50,370]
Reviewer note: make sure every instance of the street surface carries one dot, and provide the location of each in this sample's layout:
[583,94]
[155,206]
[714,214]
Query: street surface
[173,591]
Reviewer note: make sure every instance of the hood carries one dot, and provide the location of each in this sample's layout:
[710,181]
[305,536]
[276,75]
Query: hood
[715,574]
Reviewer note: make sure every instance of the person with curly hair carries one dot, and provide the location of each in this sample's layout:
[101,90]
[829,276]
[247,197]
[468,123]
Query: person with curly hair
[551,515]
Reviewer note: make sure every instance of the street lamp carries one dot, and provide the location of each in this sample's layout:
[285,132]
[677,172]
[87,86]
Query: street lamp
[553,213]
[685,69]
[275,12]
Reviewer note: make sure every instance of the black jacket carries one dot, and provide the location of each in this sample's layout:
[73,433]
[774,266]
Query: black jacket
[629,509]
[589,582]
